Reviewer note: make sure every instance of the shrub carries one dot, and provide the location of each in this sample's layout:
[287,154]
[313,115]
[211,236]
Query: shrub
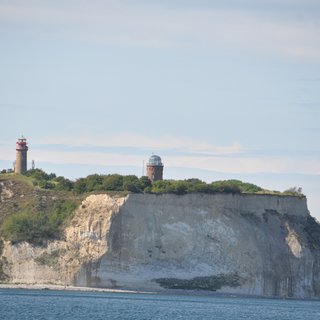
[80,186]
[294,191]
[113,182]
[37,174]
[25,227]
[37,227]
[63,184]
[227,186]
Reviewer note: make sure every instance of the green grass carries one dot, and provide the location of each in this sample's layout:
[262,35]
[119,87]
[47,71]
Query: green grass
[38,226]
[33,214]
[16,177]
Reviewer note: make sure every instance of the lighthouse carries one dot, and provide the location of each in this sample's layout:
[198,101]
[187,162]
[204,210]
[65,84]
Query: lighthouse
[155,168]
[21,155]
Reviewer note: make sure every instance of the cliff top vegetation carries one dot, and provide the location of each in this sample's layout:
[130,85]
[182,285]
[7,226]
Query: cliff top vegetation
[116,183]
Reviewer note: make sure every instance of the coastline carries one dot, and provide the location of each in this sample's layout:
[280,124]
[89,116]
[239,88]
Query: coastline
[48,287]
[67,288]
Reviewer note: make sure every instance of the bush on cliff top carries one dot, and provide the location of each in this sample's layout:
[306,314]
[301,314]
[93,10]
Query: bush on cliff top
[198,186]
[111,182]
[134,184]
[49,181]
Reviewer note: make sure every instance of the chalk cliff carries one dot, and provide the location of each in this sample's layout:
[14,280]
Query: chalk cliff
[248,244]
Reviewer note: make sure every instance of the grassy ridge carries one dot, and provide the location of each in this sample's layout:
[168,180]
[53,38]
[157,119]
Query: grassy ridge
[37,226]
[131,183]
[31,213]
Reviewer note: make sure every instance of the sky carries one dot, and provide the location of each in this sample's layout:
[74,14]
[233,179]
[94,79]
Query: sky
[219,89]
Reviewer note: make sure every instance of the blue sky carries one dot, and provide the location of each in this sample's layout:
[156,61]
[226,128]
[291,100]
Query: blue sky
[219,89]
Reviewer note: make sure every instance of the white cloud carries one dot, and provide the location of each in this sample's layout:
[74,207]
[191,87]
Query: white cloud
[133,140]
[117,22]
[176,152]
[234,165]
[248,165]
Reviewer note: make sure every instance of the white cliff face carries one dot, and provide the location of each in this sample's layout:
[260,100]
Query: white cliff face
[247,244]
[252,244]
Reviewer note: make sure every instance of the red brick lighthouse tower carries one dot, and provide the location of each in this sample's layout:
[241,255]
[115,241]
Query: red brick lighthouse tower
[155,168]
[21,155]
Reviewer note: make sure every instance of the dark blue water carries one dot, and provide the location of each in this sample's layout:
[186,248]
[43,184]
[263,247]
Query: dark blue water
[32,304]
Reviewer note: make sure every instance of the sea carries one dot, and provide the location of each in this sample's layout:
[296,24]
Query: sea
[18,304]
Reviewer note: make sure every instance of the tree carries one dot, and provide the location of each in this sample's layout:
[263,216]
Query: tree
[94,182]
[37,174]
[80,186]
[145,183]
[113,182]
[63,184]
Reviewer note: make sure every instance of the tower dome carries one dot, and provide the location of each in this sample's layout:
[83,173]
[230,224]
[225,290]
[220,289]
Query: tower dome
[155,160]
[155,168]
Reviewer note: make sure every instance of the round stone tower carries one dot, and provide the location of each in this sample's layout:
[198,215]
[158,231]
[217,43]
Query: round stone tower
[155,168]
[21,155]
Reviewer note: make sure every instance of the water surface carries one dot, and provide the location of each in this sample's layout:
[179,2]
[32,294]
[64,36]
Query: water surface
[48,304]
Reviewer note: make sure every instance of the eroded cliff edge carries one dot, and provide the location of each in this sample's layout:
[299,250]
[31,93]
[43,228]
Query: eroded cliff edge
[249,244]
